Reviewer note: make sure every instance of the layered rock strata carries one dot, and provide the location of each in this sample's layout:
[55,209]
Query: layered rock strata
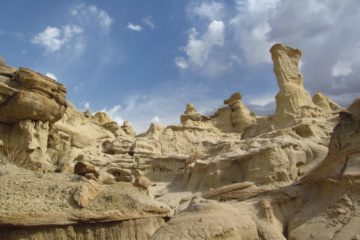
[72,175]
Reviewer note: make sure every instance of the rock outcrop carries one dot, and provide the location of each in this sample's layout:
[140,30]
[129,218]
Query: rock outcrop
[32,96]
[191,114]
[241,117]
[293,101]
[231,175]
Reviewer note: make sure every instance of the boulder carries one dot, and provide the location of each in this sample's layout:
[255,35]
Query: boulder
[32,96]
[82,168]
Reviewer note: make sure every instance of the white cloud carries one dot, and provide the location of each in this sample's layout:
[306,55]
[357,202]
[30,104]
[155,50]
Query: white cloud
[341,68]
[149,22]
[261,100]
[181,62]
[199,47]
[134,27]
[323,30]
[53,39]
[85,106]
[250,28]
[51,75]
[156,119]
[211,10]
[88,13]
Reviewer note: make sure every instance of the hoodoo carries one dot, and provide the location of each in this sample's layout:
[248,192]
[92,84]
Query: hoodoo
[231,174]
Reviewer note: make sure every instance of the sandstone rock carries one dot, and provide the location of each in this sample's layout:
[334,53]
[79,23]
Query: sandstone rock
[142,182]
[102,118]
[37,98]
[209,220]
[225,189]
[6,73]
[82,168]
[81,130]
[293,101]
[241,117]
[115,129]
[86,192]
[29,135]
[327,188]
[191,114]
[326,104]
[269,177]
[118,146]
[128,129]
[40,205]
[28,140]
[133,229]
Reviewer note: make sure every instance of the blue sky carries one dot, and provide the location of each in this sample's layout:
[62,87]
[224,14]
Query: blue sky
[143,60]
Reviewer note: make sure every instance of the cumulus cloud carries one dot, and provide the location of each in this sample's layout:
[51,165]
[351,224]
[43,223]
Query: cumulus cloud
[199,46]
[323,30]
[88,13]
[53,38]
[51,75]
[134,27]
[206,9]
[341,69]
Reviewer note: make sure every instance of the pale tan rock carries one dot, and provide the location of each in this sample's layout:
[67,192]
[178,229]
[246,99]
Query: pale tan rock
[329,190]
[326,104]
[38,98]
[142,182]
[241,117]
[86,192]
[293,101]
[225,189]
[28,139]
[102,118]
[81,130]
[46,200]
[115,128]
[133,229]
[29,135]
[128,129]
[205,219]
[191,114]
[274,176]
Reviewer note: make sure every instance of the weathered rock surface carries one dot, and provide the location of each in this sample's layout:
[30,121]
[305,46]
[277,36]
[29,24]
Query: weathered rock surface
[293,101]
[230,175]
[241,117]
[33,96]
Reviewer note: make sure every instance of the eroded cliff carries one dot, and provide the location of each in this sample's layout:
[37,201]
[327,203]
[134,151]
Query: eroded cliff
[231,175]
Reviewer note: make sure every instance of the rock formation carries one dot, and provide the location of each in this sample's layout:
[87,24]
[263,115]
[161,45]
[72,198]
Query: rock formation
[31,96]
[241,117]
[293,101]
[191,114]
[231,175]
